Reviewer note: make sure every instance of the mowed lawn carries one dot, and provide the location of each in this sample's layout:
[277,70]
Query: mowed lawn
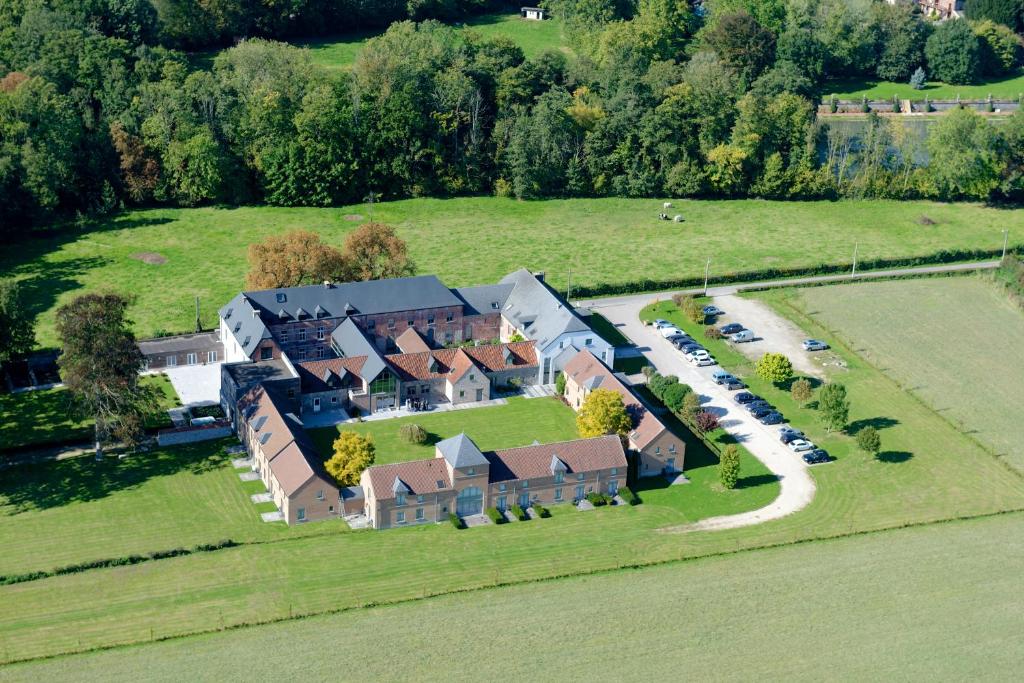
[954,342]
[47,416]
[600,240]
[517,423]
[928,603]
[57,513]
[1005,88]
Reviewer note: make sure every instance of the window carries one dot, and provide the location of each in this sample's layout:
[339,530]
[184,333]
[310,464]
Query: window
[211,356]
[613,487]
[559,477]
[449,317]
[334,399]
[281,297]
[320,332]
[526,484]
[385,384]
[430,319]
[400,517]
[672,448]
[283,336]
[302,334]
[603,356]
[589,341]
[558,494]
[419,514]
[615,470]
[391,323]
[301,514]
[657,450]
[321,352]
[561,344]
[462,394]
[411,322]
[472,377]
[172,361]
[399,499]
[579,477]
[320,494]
[370,323]
[579,492]
[419,499]
[301,353]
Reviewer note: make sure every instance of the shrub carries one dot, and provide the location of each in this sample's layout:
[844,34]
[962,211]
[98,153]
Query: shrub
[674,396]
[495,516]
[706,422]
[729,467]
[833,104]
[456,521]
[801,390]
[774,367]
[864,107]
[413,434]
[712,333]
[207,411]
[541,511]
[658,384]
[503,188]
[560,384]
[598,499]
[869,441]
[917,79]
[520,513]
[627,495]
[834,406]
[691,406]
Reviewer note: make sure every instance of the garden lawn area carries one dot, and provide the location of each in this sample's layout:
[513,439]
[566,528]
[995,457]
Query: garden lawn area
[63,512]
[908,585]
[44,417]
[975,381]
[518,423]
[601,240]
[1006,88]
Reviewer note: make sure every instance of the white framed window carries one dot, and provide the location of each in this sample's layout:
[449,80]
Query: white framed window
[334,399]
[419,514]
[191,359]
[301,514]
[172,361]
[657,450]
[400,517]
[449,317]
[320,332]
[558,494]
[672,448]
[400,499]
[419,499]
[320,494]
[283,336]
[559,477]
[211,356]
[391,323]
[302,334]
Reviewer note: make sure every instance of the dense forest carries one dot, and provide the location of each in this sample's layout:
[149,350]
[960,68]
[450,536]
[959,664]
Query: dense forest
[100,110]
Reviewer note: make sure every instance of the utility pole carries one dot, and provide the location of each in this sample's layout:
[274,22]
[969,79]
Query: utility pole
[1006,237]
[855,246]
[199,326]
[707,269]
[568,287]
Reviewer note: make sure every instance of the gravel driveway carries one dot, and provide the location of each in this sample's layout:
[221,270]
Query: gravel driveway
[774,333]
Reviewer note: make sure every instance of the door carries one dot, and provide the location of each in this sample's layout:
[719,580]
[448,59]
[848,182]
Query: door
[579,492]
[613,487]
[524,500]
[470,501]
[502,503]
[316,405]
[479,394]
[670,465]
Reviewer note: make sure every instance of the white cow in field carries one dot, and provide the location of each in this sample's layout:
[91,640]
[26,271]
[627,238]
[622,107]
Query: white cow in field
[667,205]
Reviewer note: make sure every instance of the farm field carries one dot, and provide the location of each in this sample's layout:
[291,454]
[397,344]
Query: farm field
[1006,88]
[518,423]
[954,343]
[947,609]
[204,250]
[57,513]
[45,416]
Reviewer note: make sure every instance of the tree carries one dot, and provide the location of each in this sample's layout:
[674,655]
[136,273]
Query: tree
[902,35]
[353,453]
[774,367]
[1006,12]
[729,466]
[375,252]
[295,258]
[834,406]
[17,336]
[869,441]
[413,434]
[675,395]
[954,53]
[742,43]
[917,79]
[560,383]
[801,390]
[603,413]
[965,155]
[1000,48]
[100,365]
[706,421]
[691,405]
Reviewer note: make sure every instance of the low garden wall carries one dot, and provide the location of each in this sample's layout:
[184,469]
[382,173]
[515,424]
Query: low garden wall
[917,106]
[194,434]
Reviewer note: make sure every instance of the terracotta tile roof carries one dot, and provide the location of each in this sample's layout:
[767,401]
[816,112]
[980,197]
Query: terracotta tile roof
[587,369]
[420,476]
[312,373]
[410,341]
[535,462]
[488,357]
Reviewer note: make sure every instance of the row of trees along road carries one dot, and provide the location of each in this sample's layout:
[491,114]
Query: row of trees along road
[99,112]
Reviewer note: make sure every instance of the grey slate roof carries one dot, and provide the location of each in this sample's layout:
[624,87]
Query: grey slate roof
[537,310]
[247,328]
[246,374]
[484,298]
[350,341]
[365,298]
[460,451]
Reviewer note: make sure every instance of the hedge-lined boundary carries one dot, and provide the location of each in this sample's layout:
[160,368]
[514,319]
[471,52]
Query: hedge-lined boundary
[647,285]
[117,562]
[297,616]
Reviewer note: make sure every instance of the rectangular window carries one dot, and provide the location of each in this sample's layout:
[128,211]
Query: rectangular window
[370,323]
[558,494]
[419,499]
[430,319]
[411,322]
[320,332]
[302,334]
[613,487]
[334,399]
[321,352]
[526,484]
[172,361]
[589,342]
[472,377]
[400,517]
[462,394]
[672,448]
[503,487]
[559,477]
[391,323]
[419,514]
[211,357]
[579,477]
[399,499]
[320,494]
[449,317]
[657,450]
[579,492]
[615,470]
[283,336]
[301,514]
[385,384]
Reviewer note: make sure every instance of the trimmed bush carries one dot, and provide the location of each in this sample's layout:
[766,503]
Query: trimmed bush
[540,510]
[456,521]
[712,333]
[520,513]
[560,384]
[598,499]
[627,495]
[413,434]
[495,516]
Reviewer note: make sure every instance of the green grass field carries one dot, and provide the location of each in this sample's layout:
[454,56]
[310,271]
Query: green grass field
[46,416]
[1005,88]
[518,423]
[928,603]
[954,342]
[205,249]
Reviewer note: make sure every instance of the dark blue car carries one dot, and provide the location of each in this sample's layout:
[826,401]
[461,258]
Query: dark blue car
[817,456]
[772,418]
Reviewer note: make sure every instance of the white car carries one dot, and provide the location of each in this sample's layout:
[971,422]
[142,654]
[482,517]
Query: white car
[660,323]
[701,361]
[670,331]
[800,445]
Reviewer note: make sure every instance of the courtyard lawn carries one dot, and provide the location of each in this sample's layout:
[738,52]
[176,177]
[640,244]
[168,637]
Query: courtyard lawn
[953,342]
[606,330]
[931,603]
[518,423]
[1005,88]
[39,418]
[601,240]
[77,510]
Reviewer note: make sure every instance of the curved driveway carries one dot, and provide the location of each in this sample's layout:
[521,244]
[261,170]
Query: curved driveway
[797,484]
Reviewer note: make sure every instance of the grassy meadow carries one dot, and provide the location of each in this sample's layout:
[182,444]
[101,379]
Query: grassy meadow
[600,240]
[927,603]
[1006,88]
[953,342]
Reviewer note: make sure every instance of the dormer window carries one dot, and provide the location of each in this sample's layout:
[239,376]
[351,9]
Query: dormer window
[494,305]
[281,297]
[399,499]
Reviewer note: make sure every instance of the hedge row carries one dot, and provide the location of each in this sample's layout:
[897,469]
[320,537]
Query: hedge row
[541,511]
[627,495]
[495,516]
[648,285]
[116,562]
[456,521]
[520,513]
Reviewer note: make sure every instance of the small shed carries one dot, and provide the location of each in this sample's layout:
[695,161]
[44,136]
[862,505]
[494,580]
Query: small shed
[533,13]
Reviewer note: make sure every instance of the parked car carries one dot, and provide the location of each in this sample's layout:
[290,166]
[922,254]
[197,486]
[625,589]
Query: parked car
[734,385]
[816,457]
[724,378]
[799,445]
[814,345]
[680,342]
[720,373]
[670,331]
[713,310]
[760,411]
[772,418]
[787,438]
[759,405]
[731,328]
[701,361]
[698,352]
[659,323]
[678,337]
[690,346]
[742,336]
[745,397]
[790,429]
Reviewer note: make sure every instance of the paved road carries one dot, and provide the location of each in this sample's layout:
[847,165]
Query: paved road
[726,289]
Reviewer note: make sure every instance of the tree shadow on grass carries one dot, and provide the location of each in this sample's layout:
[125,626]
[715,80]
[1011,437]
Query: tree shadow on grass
[755,480]
[51,484]
[894,457]
[787,385]
[876,422]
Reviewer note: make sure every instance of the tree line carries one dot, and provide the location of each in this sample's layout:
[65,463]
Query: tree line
[97,112]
